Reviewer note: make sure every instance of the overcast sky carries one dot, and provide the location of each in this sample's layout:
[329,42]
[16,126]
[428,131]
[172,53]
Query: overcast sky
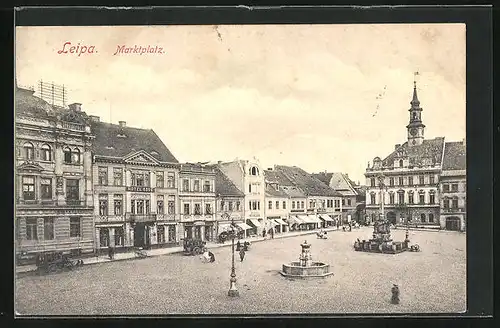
[321,97]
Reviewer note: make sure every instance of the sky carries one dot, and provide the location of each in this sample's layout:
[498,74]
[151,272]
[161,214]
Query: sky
[320,97]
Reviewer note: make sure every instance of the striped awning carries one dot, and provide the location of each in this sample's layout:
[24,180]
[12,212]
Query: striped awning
[271,223]
[314,219]
[244,226]
[280,221]
[255,222]
[326,217]
[304,219]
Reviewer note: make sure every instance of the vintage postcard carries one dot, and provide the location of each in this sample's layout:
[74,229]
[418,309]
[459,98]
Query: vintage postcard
[240,169]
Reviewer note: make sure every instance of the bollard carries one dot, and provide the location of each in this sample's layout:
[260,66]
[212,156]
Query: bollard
[395,294]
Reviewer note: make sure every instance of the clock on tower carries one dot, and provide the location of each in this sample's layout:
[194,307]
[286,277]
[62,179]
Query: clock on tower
[415,127]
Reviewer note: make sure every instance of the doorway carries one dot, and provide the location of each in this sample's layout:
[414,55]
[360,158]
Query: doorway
[141,235]
[453,223]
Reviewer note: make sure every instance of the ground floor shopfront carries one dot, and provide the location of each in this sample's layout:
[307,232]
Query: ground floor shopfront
[455,221]
[204,230]
[416,215]
[276,224]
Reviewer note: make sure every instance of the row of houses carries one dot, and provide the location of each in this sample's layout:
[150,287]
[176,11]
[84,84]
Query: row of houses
[83,185]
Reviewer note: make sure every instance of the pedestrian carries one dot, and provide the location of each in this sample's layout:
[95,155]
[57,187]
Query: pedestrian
[111,252]
[272,233]
[245,246]
[242,255]
[264,233]
[395,294]
[238,246]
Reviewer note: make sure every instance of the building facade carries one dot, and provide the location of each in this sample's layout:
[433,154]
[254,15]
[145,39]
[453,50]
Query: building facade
[453,187]
[277,203]
[341,183]
[53,189]
[135,181]
[197,201]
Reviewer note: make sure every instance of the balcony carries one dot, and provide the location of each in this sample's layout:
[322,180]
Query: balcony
[141,217]
[75,202]
[453,210]
[111,218]
[165,217]
[72,126]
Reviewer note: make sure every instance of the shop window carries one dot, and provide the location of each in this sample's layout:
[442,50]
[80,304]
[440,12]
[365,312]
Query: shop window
[171,233]
[75,227]
[29,188]
[119,236]
[104,237]
[161,234]
[31,229]
[48,228]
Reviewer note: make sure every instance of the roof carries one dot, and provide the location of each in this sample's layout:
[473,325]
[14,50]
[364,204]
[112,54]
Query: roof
[293,192]
[337,181]
[454,156]
[273,176]
[324,177]
[273,192]
[224,186]
[107,136]
[431,149]
[28,104]
[306,182]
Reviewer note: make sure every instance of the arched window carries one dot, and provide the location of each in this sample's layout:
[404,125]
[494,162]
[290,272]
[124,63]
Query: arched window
[46,153]
[254,171]
[75,156]
[422,217]
[431,218]
[29,151]
[67,155]
[400,163]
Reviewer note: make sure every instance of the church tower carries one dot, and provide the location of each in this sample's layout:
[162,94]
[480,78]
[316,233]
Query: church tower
[416,127]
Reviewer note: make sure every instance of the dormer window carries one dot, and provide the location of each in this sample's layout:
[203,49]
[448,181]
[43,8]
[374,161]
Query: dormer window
[254,171]
[155,153]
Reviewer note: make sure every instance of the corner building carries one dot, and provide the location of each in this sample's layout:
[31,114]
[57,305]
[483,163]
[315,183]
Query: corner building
[135,179]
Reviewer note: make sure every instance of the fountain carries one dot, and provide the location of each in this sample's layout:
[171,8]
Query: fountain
[306,267]
[382,241]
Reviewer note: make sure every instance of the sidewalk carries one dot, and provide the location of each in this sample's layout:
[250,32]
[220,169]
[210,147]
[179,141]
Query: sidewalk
[177,249]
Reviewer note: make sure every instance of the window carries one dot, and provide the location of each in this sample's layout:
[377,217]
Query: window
[372,182]
[284,205]
[277,205]
[270,205]
[410,198]
[302,204]
[171,207]
[311,203]
[132,206]
[446,203]
[31,229]
[222,205]
[293,205]
[147,207]
[454,203]
[103,204]
[421,198]
[171,233]
[170,180]
[410,181]
[140,179]
[207,186]
[391,182]
[431,181]
[160,209]
[422,217]
[104,237]
[160,181]
[72,189]
[431,218]
[117,176]
[196,185]
[29,151]
[401,198]
[401,181]
[238,205]
[29,188]
[161,234]
[118,205]
[48,228]
[454,187]
[197,209]
[139,206]
[186,208]
[254,171]
[75,156]
[75,227]
[46,188]
[103,176]
[400,163]
[67,155]
[46,153]
[372,198]
[343,202]
[446,188]
[185,185]
[431,199]
[391,198]
[208,209]
[349,202]
[230,204]
[119,236]
[421,180]
[250,187]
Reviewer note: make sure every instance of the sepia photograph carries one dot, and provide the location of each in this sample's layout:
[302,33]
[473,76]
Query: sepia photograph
[240,169]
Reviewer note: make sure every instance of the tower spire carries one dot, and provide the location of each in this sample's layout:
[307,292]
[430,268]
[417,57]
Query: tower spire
[415,102]
[415,128]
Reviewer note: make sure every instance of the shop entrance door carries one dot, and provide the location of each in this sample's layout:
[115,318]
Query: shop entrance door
[139,235]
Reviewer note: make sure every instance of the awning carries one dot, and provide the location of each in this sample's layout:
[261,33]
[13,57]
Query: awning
[326,217]
[224,226]
[271,223]
[255,222]
[314,219]
[304,219]
[280,221]
[244,226]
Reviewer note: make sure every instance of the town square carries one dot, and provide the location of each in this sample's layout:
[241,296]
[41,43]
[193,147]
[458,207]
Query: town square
[289,177]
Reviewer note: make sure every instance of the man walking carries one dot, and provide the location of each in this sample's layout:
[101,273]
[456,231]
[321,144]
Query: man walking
[242,254]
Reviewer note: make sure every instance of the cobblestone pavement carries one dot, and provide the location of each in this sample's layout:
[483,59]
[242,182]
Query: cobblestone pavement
[430,281]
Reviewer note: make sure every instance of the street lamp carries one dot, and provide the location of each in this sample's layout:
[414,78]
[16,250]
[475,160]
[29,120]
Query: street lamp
[233,291]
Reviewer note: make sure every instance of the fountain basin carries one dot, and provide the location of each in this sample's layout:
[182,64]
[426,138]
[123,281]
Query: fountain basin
[315,270]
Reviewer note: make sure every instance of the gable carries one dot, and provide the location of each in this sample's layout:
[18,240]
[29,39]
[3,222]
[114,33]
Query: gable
[140,157]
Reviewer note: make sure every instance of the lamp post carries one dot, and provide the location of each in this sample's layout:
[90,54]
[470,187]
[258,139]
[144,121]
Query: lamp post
[233,291]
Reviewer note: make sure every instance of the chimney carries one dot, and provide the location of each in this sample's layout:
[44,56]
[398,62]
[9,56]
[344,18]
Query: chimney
[122,123]
[95,118]
[77,107]
[397,146]
[269,168]
[219,162]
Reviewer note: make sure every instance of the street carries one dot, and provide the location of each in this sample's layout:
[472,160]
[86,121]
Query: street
[430,281]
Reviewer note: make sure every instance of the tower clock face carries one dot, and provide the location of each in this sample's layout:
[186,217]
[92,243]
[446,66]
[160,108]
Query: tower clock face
[413,131]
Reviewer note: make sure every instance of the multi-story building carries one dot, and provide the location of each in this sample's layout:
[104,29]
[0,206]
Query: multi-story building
[341,183]
[453,187]
[53,188]
[197,201]
[248,177]
[323,204]
[406,183]
[229,200]
[277,203]
[135,188]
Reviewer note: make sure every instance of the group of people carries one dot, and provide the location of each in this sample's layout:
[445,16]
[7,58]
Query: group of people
[242,248]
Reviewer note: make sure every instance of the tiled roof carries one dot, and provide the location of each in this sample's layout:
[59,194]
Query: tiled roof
[454,156]
[273,176]
[431,149]
[28,104]
[337,181]
[273,192]
[224,186]
[108,142]
[323,177]
[293,192]
[306,182]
